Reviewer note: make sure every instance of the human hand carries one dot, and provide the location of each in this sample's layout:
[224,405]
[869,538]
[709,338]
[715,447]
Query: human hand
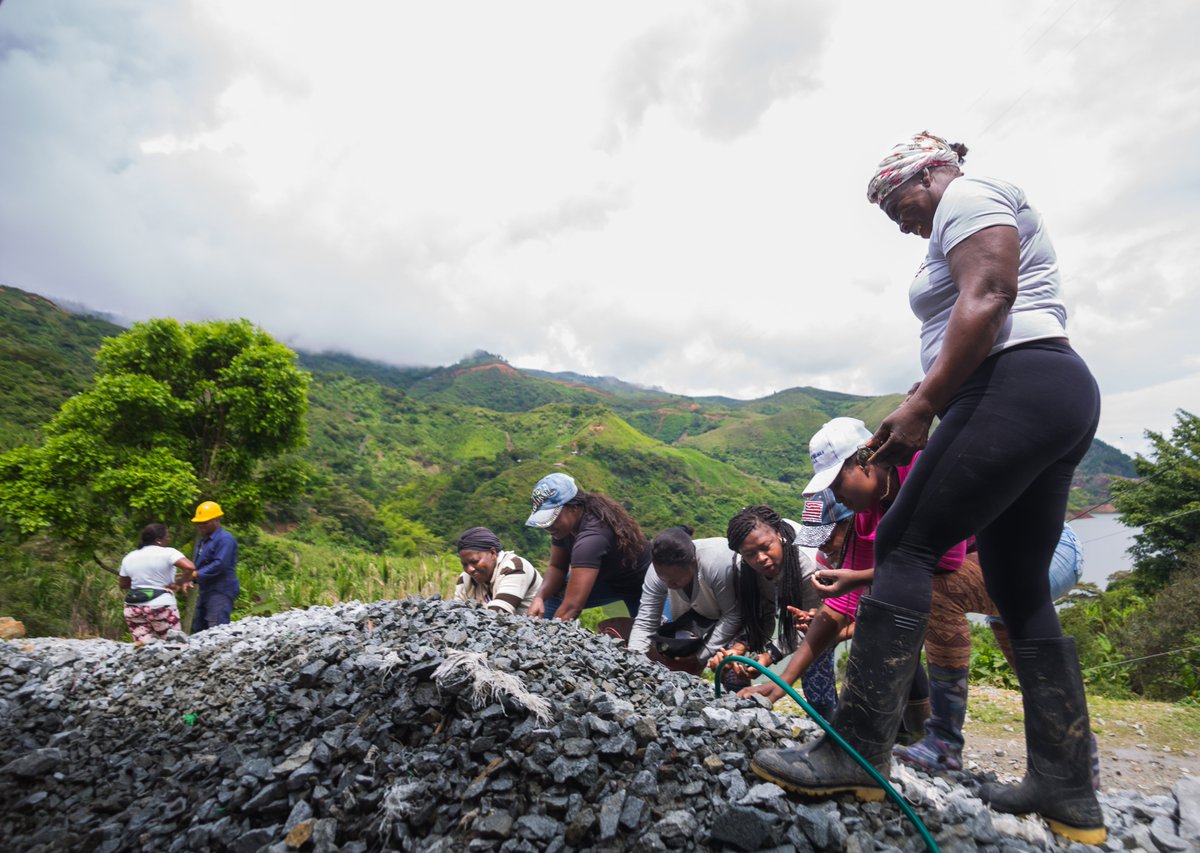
[771,691]
[830,583]
[537,608]
[802,618]
[902,433]
[715,660]
[764,660]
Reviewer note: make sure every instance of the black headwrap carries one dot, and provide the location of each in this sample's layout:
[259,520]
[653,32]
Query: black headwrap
[478,539]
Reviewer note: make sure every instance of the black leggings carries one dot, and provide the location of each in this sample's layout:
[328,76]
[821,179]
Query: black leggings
[998,467]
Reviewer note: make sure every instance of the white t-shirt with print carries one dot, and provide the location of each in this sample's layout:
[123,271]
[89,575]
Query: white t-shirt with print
[969,205]
[152,567]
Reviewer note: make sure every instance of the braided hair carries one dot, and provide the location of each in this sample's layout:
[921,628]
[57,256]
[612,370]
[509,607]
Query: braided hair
[631,542]
[791,584]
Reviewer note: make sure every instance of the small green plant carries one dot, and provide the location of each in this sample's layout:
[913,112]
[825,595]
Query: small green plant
[988,664]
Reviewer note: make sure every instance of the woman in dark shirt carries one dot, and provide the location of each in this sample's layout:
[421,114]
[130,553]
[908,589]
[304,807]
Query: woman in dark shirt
[598,553]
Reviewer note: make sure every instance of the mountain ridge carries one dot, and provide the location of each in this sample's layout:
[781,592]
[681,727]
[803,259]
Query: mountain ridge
[405,457]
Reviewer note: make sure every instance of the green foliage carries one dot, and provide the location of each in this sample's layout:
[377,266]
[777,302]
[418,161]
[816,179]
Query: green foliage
[1163,639]
[1097,624]
[176,412]
[55,594]
[45,357]
[988,664]
[1131,643]
[1165,503]
[279,574]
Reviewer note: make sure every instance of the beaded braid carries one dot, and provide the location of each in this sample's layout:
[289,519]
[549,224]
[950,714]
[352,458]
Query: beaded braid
[791,582]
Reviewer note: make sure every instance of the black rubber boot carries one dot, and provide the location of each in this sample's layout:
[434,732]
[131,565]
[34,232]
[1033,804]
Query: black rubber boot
[1058,776]
[912,721]
[887,643]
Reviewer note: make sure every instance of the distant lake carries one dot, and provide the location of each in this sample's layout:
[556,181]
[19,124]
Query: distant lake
[1105,542]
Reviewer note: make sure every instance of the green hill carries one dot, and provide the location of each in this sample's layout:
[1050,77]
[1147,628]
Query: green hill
[361,368]
[492,383]
[403,458]
[45,357]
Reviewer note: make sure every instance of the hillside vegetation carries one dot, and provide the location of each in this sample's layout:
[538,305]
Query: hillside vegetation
[399,460]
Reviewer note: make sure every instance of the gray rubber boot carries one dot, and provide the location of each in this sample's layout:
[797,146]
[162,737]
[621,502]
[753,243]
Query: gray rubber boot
[887,643]
[1058,744]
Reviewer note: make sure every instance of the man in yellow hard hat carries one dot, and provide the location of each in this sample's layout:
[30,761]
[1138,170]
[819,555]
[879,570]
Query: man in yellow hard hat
[216,568]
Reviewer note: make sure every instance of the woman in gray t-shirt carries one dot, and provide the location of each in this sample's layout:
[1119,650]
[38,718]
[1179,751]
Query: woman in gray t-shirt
[1018,409]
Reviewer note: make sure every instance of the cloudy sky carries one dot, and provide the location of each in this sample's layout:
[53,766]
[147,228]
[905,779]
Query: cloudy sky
[672,192]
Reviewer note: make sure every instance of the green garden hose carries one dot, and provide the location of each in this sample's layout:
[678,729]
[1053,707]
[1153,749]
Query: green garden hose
[862,762]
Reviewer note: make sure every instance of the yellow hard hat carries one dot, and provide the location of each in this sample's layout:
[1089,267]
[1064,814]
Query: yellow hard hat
[207,511]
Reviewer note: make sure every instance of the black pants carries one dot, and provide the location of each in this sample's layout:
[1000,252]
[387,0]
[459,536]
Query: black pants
[998,467]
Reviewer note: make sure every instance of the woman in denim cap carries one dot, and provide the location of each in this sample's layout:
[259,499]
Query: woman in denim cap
[598,553]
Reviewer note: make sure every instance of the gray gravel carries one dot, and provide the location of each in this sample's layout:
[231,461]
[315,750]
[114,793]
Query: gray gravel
[430,725]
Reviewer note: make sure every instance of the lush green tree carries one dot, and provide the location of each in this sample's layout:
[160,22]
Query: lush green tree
[177,413]
[1164,502]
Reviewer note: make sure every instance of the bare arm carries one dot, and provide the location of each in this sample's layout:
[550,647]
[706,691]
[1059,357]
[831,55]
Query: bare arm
[822,635]
[579,587]
[984,270]
[187,572]
[552,580]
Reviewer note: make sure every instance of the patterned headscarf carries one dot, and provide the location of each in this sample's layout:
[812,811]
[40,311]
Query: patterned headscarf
[908,159]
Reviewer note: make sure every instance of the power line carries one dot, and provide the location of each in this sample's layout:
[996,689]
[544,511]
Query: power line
[1143,526]
[1085,37]
[1025,49]
[1145,657]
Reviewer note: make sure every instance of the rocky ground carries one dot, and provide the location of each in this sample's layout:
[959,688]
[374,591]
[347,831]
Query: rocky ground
[426,725]
[1140,747]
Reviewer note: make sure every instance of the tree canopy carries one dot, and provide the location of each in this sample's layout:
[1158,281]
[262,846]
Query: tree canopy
[1165,503]
[177,413]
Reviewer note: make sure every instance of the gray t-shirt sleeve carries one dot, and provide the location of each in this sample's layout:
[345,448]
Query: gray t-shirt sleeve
[720,579]
[970,208]
[650,611]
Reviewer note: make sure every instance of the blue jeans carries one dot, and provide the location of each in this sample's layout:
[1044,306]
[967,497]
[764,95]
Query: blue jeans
[600,595]
[213,609]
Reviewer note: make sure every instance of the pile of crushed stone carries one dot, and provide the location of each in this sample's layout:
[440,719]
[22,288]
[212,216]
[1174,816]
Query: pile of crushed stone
[432,725]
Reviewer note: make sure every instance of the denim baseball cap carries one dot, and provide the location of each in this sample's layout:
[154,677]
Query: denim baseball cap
[833,444]
[821,514]
[550,495]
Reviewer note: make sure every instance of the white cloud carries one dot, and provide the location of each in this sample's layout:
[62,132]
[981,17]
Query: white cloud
[670,193]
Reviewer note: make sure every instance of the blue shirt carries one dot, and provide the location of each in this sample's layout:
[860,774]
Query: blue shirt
[216,564]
